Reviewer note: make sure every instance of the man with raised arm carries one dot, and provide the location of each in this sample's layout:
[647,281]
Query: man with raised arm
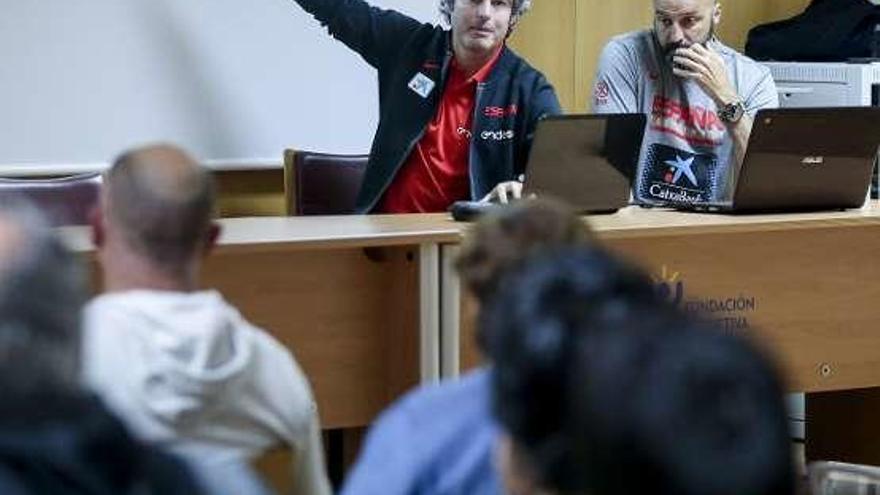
[457,107]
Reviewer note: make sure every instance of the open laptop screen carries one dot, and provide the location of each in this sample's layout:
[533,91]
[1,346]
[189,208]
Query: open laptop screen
[808,159]
[588,161]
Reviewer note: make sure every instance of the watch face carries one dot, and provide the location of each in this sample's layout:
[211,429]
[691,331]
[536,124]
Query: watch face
[738,110]
[732,112]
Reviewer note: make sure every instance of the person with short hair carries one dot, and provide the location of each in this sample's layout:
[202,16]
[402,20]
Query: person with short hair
[180,365]
[700,96]
[457,107]
[601,387]
[440,438]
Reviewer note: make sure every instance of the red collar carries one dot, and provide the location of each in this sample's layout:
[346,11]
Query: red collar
[483,73]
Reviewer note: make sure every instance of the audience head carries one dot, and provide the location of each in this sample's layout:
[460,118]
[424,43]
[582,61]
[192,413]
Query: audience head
[603,389]
[42,290]
[682,23]
[501,240]
[158,204]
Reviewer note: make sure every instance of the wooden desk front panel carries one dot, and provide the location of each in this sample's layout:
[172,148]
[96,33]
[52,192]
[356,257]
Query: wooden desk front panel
[350,317]
[810,294]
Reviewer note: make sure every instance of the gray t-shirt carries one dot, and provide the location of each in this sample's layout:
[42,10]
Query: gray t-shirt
[687,153]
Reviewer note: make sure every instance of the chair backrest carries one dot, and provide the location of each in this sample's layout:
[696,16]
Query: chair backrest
[64,201]
[838,478]
[321,183]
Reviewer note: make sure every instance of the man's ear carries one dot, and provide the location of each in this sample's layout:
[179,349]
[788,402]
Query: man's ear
[211,237]
[716,13]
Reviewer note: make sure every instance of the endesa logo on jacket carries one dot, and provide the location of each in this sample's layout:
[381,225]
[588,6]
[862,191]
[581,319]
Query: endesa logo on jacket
[499,135]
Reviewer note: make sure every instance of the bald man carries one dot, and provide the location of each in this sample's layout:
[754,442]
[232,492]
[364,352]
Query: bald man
[180,365]
[700,96]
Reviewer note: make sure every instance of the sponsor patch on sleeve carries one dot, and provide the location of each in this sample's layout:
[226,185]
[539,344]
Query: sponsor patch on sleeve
[601,93]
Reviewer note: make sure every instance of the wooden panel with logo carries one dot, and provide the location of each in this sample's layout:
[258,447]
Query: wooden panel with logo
[809,295]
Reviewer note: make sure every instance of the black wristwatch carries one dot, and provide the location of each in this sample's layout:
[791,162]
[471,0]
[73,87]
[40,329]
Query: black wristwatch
[732,112]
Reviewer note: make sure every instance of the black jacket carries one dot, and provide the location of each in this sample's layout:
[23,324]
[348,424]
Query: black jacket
[507,108]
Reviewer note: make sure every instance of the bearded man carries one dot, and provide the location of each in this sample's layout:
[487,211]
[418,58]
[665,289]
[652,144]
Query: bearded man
[700,96]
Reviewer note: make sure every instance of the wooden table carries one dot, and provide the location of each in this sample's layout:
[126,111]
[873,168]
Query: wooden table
[371,306]
[806,285]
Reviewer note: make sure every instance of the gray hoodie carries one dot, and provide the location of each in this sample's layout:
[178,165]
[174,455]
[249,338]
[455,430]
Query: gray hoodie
[187,371]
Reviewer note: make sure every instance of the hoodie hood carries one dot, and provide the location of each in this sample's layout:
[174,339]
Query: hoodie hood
[184,349]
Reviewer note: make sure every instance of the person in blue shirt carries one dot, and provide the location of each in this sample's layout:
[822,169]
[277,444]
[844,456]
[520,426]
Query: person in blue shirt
[440,439]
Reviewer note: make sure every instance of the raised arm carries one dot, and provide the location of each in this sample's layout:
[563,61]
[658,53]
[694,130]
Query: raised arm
[374,33]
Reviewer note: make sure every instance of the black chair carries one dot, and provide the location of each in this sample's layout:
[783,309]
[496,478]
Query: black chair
[64,201]
[321,183]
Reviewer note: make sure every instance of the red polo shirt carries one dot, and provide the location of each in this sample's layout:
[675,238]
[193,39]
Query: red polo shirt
[436,174]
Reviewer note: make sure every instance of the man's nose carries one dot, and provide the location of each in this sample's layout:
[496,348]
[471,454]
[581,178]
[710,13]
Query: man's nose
[676,33]
[484,9]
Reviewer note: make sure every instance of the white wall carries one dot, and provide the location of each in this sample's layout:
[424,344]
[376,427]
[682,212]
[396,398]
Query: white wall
[230,79]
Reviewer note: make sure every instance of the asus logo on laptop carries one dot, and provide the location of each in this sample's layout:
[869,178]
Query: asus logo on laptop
[813,160]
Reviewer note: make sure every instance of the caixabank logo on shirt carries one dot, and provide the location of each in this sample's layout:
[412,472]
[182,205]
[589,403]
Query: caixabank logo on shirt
[671,175]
